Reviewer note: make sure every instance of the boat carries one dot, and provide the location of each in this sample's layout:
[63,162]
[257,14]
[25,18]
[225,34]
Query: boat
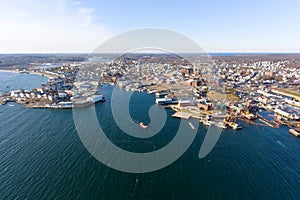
[230,120]
[295,131]
[201,119]
[220,125]
[96,98]
[192,125]
[142,125]
[3,102]
[207,123]
[234,126]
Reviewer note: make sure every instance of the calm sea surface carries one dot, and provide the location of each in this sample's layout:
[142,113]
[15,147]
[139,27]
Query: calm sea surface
[42,157]
[14,81]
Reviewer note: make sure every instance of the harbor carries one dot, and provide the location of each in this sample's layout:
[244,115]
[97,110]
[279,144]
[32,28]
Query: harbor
[54,134]
[256,149]
[209,115]
[245,90]
[149,100]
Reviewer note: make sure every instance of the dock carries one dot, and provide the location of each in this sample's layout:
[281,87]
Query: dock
[272,124]
[182,115]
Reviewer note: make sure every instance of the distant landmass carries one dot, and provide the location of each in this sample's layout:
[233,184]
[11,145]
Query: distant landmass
[25,61]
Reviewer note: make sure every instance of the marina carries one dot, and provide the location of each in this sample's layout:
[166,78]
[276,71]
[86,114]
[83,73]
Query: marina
[183,109]
[57,137]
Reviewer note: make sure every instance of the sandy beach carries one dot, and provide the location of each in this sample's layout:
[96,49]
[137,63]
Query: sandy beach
[30,72]
[43,74]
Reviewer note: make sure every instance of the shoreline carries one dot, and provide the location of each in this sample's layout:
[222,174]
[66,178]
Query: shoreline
[43,74]
[8,70]
[29,72]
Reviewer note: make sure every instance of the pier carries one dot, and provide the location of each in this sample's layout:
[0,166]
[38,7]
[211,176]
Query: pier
[182,115]
[272,124]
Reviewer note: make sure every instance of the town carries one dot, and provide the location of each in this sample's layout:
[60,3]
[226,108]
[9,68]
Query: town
[219,91]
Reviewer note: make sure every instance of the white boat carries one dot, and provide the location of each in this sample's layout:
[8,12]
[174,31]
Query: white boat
[295,132]
[236,126]
[192,125]
[220,125]
[207,123]
[142,125]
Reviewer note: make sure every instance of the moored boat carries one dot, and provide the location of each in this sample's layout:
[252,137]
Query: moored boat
[220,125]
[233,125]
[295,131]
[207,123]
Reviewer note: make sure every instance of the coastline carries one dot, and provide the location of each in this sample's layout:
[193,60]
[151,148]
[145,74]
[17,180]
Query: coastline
[29,72]
[43,74]
[7,70]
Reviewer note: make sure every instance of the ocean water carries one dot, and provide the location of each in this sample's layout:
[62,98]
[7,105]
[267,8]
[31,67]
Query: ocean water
[42,157]
[14,81]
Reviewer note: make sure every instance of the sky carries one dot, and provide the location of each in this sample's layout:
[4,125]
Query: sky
[71,26]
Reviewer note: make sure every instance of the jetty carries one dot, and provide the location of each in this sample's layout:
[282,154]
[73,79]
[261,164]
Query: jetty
[272,124]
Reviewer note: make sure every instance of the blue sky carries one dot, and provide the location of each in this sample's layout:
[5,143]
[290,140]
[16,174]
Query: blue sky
[218,26]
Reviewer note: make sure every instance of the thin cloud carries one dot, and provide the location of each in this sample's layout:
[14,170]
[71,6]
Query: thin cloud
[54,26]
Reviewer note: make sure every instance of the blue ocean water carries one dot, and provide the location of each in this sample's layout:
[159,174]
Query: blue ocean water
[14,81]
[42,157]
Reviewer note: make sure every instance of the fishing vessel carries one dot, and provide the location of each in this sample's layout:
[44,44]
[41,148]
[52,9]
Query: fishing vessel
[142,125]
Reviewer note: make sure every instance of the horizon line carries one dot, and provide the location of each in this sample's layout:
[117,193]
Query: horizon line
[221,52]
